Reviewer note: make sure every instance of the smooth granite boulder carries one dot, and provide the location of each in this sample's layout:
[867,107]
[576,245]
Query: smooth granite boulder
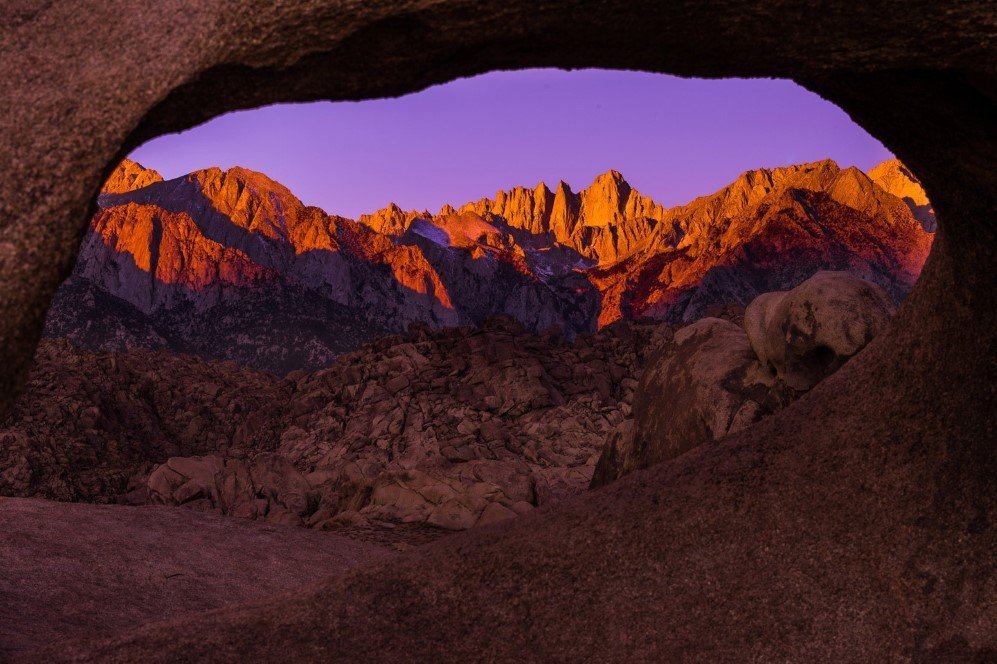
[805,334]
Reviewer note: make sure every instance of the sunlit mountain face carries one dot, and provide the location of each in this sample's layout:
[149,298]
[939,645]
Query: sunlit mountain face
[231,264]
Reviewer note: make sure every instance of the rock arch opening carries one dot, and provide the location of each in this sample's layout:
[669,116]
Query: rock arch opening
[458,367]
[896,490]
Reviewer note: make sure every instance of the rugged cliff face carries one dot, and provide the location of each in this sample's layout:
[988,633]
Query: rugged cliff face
[128,175]
[603,222]
[895,178]
[768,230]
[213,231]
[230,264]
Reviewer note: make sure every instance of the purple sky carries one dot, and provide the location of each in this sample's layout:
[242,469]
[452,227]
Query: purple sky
[672,138]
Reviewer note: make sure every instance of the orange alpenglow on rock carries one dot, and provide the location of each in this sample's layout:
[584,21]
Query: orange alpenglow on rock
[235,244]
[129,175]
[895,178]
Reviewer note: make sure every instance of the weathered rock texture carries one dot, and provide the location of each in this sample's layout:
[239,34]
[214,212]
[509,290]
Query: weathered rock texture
[715,377]
[88,423]
[449,429]
[806,334]
[856,524]
[702,384]
[72,571]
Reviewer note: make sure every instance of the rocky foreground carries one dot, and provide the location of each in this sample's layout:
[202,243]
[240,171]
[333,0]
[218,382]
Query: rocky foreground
[858,525]
[434,431]
[397,444]
[448,429]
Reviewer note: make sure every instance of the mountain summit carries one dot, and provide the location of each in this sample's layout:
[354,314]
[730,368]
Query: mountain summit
[231,264]
[603,222]
[897,179]
[129,175]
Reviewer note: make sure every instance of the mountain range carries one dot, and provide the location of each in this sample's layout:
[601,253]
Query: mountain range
[231,265]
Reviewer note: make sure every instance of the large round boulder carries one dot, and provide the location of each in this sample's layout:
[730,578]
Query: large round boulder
[807,333]
[702,385]
[714,378]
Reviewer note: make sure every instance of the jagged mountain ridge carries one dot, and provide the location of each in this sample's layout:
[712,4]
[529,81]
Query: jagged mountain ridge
[602,223]
[129,175]
[768,230]
[230,264]
[765,231]
[205,255]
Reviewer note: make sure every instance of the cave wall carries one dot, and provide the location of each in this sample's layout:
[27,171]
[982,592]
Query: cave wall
[860,520]
[86,84]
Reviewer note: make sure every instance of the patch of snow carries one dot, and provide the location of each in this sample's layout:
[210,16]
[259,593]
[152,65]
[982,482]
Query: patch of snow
[430,232]
[583,264]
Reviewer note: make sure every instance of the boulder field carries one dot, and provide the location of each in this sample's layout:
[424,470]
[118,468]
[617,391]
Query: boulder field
[433,431]
[397,444]
[448,428]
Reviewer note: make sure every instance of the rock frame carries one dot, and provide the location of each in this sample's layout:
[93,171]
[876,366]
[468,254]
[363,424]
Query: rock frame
[856,524]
